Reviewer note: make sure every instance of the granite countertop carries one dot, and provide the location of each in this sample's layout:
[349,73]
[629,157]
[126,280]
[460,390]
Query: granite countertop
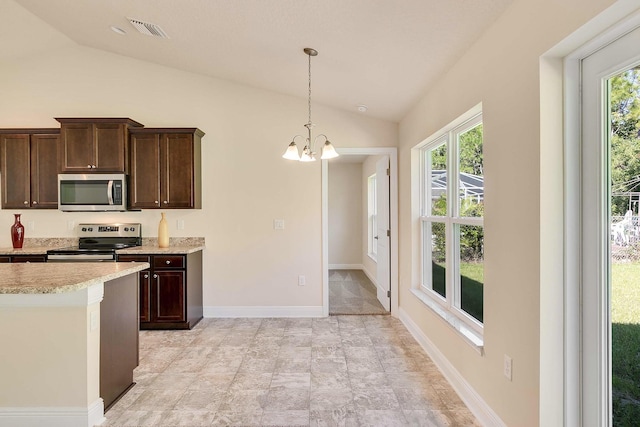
[34,250]
[177,245]
[56,278]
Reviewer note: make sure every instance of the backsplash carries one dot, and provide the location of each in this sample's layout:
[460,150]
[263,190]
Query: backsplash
[175,241]
[58,242]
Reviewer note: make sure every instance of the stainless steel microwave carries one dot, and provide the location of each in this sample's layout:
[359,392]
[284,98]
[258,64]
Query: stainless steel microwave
[92,192]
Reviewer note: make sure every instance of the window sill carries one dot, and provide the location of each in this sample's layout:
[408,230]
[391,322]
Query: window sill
[473,338]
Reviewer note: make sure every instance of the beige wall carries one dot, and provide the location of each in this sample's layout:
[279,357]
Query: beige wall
[246,183]
[502,72]
[345,213]
[57,337]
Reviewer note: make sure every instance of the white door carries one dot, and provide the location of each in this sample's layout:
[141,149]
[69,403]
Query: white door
[597,68]
[383,274]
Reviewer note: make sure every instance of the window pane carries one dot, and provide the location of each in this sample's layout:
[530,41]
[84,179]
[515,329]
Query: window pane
[471,177]
[373,223]
[374,234]
[438,162]
[434,257]
[472,270]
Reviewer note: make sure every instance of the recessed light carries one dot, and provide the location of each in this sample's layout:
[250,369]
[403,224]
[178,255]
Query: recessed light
[362,108]
[118,30]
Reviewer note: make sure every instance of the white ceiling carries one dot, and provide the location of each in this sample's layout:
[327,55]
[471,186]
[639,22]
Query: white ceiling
[381,53]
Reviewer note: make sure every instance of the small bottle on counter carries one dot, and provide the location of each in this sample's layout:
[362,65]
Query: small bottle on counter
[163,232]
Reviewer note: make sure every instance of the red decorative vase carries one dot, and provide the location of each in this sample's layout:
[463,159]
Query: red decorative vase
[17,232]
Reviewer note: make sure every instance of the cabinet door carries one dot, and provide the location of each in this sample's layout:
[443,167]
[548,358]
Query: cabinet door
[16,177]
[177,177]
[109,147]
[145,295]
[77,150]
[169,296]
[144,279]
[44,171]
[144,182]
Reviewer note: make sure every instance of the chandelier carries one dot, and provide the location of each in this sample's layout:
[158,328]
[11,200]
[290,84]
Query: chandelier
[308,153]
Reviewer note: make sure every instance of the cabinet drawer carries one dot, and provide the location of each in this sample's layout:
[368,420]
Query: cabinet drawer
[168,261]
[29,258]
[134,258]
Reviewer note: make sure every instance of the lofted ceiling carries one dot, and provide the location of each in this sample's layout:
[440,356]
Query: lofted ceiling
[380,53]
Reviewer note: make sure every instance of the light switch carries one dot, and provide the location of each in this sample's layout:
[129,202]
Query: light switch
[278,224]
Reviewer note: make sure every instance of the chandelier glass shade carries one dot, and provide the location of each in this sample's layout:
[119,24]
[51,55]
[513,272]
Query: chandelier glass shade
[308,153]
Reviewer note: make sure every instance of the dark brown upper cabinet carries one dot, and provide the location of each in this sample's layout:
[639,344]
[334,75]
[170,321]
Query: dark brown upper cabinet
[94,144]
[29,168]
[165,168]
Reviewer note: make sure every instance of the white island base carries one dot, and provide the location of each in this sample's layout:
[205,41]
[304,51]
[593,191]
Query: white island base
[50,342]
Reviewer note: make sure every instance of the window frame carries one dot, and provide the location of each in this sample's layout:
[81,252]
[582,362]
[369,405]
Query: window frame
[372,216]
[451,302]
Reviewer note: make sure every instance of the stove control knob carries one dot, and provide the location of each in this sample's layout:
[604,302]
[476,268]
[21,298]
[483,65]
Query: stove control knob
[131,229]
[126,229]
[90,228]
[84,228]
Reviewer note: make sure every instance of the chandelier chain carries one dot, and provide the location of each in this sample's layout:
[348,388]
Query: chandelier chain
[309,89]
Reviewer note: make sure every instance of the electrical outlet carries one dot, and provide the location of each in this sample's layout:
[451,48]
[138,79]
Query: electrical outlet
[508,367]
[71,225]
[31,226]
[301,281]
[180,224]
[278,224]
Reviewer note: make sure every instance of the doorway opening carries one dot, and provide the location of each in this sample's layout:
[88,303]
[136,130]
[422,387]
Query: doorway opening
[359,232]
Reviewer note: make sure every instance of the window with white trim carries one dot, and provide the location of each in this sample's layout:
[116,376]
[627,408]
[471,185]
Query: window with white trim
[451,217]
[372,215]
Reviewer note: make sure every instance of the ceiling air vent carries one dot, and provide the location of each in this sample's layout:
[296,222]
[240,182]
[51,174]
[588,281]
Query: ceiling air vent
[148,28]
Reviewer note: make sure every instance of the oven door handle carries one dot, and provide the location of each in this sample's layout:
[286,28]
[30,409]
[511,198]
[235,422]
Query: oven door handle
[110,192]
[79,257]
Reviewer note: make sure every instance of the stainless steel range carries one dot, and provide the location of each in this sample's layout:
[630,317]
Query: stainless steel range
[98,243]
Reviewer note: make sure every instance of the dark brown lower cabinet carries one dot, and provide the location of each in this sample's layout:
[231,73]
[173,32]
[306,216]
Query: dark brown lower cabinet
[170,291]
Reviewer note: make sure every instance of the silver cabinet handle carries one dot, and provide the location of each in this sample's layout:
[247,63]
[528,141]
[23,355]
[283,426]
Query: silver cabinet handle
[165,202]
[155,276]
[35,202]
[146,276]
[156,202]
[89,166]
[168,262]
[26,202]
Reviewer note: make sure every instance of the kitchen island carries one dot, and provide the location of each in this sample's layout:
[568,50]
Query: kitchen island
[65,330]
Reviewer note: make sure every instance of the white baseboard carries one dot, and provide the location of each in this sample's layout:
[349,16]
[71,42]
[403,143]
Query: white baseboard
[266,311]
[469,396]
[53,417]
[346,267]
[370,276]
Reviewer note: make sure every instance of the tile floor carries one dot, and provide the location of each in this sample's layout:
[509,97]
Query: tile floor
[351,292]
[334,371]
